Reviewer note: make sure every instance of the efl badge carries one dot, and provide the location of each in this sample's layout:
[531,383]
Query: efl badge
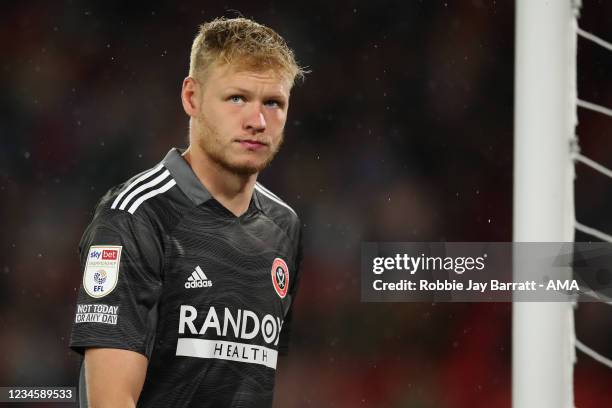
[101,270]
[280,277]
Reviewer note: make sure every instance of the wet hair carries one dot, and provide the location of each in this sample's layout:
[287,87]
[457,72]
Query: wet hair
[244,44]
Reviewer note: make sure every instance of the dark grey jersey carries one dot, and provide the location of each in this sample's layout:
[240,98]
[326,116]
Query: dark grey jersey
[206,296]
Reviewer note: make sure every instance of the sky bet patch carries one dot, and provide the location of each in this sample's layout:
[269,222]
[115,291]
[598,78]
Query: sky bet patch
[101,270]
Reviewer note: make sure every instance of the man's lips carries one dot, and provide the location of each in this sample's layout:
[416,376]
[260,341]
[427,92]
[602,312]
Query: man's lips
[252,144]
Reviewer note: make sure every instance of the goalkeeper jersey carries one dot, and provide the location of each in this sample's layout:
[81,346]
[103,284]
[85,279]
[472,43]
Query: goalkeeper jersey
[206,296]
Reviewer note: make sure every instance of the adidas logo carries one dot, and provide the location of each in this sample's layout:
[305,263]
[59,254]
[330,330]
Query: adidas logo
[198,279]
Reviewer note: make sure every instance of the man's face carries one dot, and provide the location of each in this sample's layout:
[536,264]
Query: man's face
[241,117]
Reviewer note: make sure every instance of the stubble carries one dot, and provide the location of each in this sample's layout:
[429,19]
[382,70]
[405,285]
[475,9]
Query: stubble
[219,151]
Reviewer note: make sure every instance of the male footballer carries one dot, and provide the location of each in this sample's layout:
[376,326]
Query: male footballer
[190,267]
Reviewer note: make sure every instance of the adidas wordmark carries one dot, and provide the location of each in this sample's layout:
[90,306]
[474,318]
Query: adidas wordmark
[198,279]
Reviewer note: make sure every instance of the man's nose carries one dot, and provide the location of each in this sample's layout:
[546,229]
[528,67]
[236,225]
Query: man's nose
[255,120]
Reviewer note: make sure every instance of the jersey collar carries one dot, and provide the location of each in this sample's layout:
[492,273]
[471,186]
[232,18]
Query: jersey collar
[188,182]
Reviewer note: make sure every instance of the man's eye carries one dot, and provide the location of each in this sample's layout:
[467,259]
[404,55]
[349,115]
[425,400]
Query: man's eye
[272,104]
[236,99]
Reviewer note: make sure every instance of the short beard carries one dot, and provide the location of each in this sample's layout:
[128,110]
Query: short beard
[208,140]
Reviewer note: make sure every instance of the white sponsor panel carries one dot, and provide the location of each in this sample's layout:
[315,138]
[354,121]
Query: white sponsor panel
[96,314]
[101,270]
[227,350]
[242,324]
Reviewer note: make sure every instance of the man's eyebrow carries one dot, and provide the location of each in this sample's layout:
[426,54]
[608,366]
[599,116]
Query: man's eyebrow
[272,94]
[237,89]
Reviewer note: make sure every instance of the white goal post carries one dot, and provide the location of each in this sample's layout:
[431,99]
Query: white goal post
[543,335]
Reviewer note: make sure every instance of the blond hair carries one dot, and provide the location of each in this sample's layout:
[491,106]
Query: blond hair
[243,43]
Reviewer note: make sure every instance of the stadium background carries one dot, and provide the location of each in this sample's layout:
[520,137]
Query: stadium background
[403,131]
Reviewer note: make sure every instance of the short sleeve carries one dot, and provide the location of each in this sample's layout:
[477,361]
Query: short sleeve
[283,344]
[121,260]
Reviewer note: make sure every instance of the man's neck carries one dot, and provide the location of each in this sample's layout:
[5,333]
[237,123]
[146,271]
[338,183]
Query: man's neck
[232,190]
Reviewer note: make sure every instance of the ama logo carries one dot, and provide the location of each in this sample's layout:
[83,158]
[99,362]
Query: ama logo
[280,277]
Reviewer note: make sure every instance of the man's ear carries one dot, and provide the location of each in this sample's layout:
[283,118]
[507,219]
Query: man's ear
[190,96]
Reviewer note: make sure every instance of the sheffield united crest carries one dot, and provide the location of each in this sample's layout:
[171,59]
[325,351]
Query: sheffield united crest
[280,277]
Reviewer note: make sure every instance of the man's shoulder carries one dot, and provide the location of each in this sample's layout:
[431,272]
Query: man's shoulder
[275,208]
[142,197]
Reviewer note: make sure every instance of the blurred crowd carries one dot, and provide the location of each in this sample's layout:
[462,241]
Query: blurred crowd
[403,131]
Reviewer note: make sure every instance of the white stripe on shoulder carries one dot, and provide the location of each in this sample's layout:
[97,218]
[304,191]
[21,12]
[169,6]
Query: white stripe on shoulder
[263,189]
[157,180]
[150,194]
[134,183]
[272,197]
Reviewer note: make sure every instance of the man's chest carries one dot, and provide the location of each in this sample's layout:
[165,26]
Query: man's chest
[227,281]
[248,258]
